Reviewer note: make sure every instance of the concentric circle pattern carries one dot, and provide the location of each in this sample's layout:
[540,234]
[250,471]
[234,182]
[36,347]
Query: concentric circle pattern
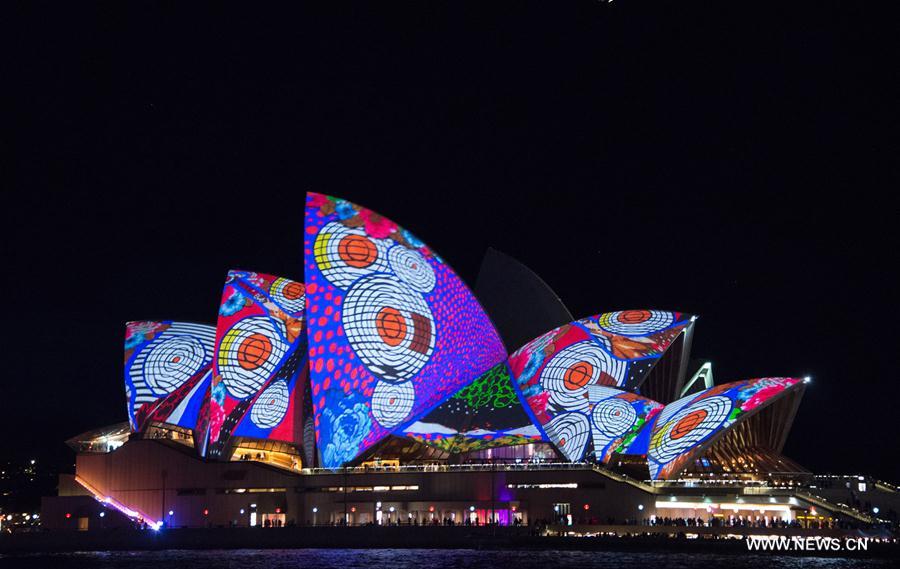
[635,322]
[271,406]
[345,254]
[172,361]
[412,268]
[614,417]
[250,352]
[392,402]
[688,427]
[569,432]
[289,295]
[569,373]
[389,326]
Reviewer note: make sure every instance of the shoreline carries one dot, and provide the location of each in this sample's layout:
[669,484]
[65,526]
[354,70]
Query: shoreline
[656,539]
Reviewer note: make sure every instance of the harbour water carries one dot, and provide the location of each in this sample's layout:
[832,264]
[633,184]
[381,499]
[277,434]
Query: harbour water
[417,559]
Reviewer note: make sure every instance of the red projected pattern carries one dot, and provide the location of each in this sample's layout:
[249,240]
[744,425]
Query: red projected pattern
[689,425]
[393,331]
[556,373]
[257,364]
[167,367]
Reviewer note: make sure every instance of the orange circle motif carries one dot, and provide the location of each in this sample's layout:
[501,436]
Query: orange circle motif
[292,291]
[578,375]
[253,351]
[634,316]
[688,423]
[391,326]
[357,251]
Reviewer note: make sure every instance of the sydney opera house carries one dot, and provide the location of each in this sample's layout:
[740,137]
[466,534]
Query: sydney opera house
[377,388]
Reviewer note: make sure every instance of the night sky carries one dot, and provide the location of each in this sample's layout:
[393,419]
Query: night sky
[730,164]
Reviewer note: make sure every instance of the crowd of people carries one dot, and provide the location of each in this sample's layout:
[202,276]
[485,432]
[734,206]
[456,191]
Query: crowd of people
[731,521]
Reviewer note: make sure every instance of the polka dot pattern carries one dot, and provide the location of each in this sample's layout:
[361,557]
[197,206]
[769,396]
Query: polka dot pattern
[464,342]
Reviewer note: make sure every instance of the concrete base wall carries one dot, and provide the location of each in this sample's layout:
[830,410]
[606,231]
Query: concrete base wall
[166,483]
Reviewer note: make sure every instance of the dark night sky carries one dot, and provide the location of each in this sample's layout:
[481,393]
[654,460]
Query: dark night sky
[729,164]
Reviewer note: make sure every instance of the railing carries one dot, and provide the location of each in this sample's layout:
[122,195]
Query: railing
[477,467]
[652,487]
[487,467]
[833,506]
[618,477]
